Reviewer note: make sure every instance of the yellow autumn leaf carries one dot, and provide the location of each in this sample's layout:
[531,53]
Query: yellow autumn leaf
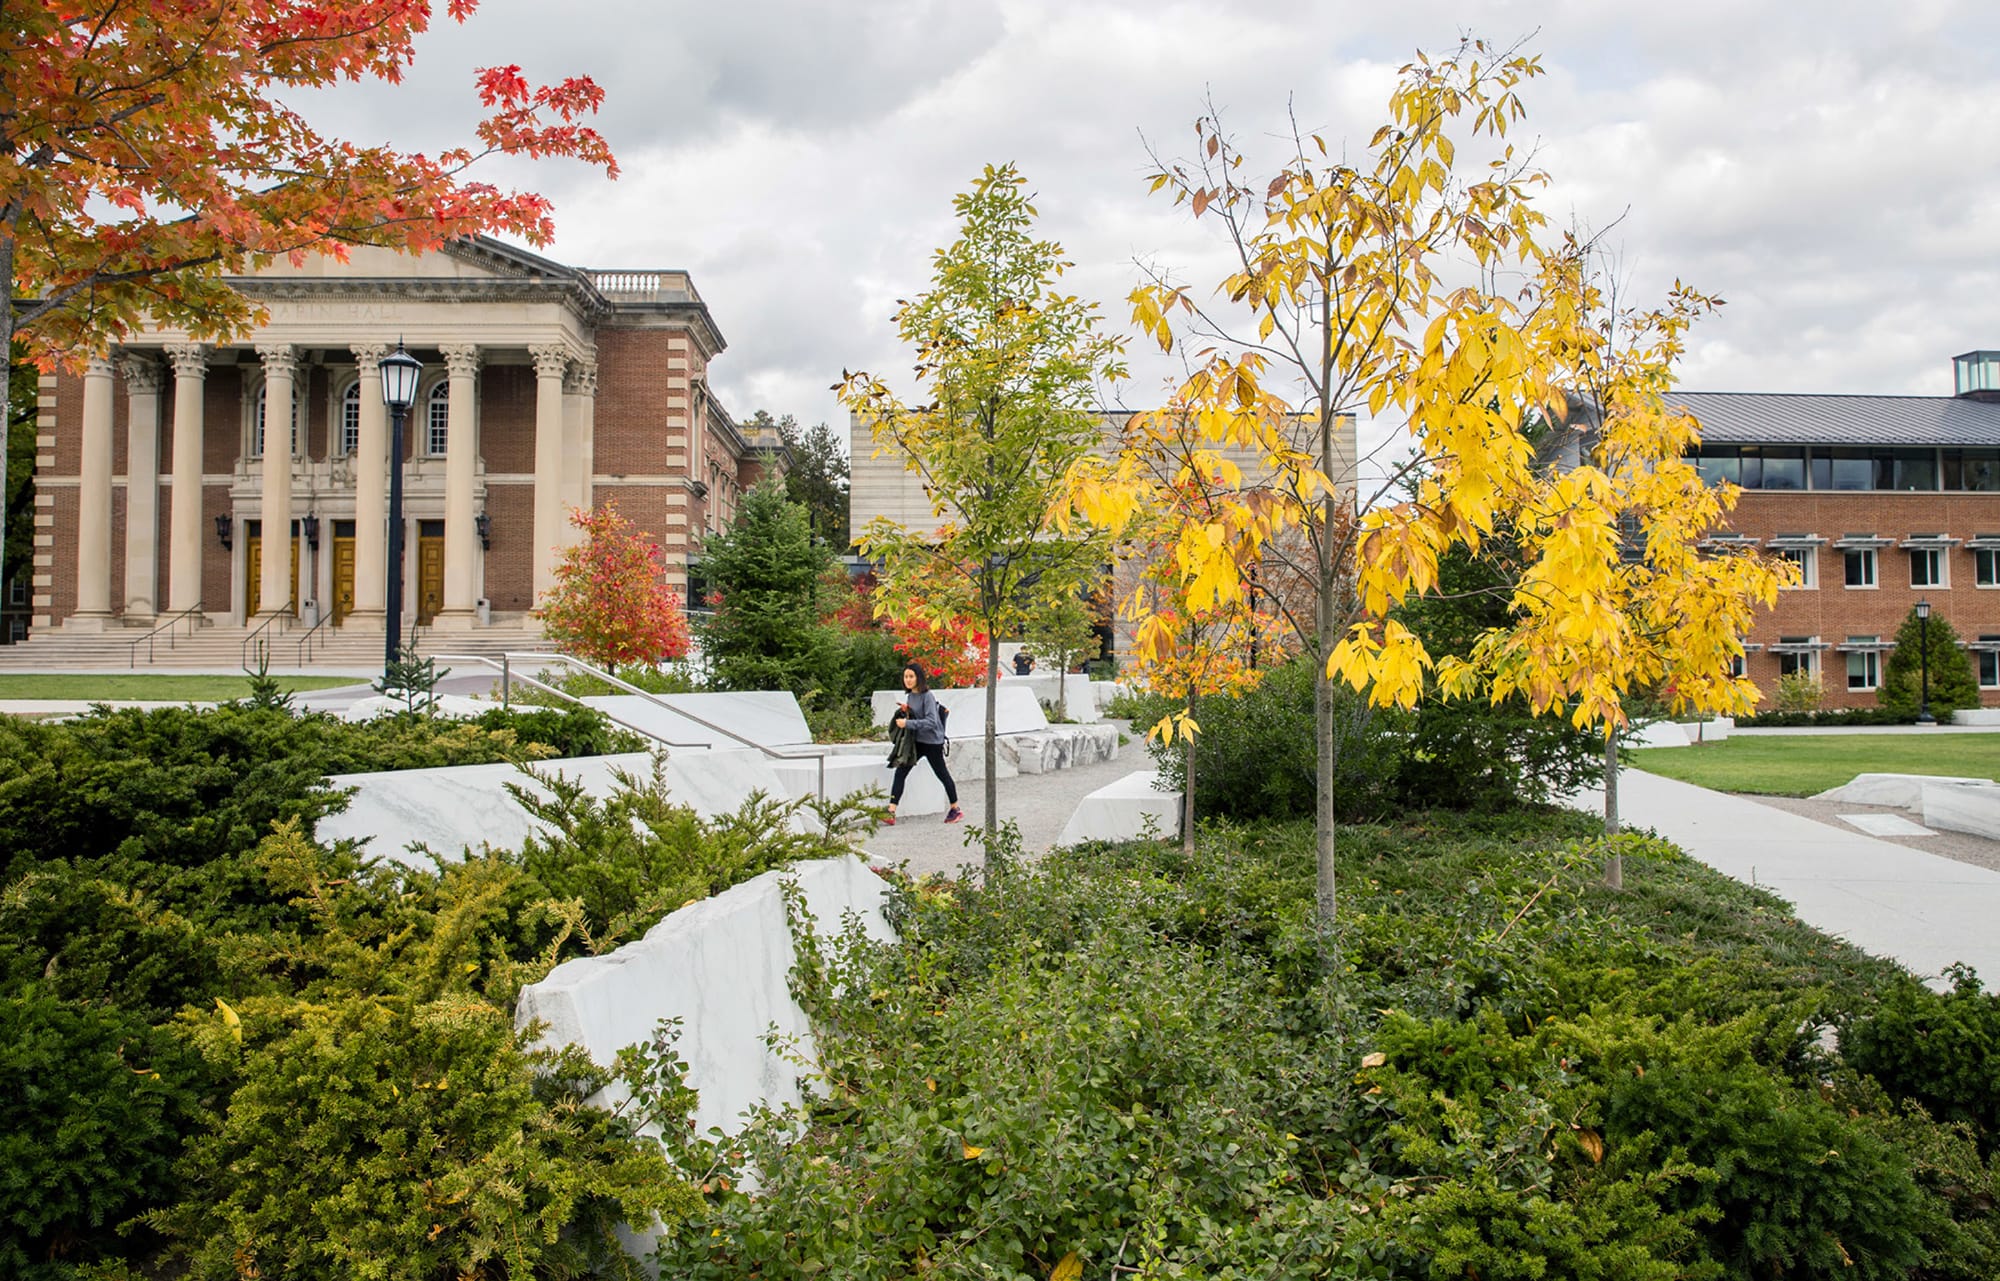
[229,1020]
[1070,1268]
[1592,1145]
[1374,1060]
[972,1153]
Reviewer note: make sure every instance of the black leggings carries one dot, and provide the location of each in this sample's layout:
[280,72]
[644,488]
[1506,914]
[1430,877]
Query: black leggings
[934,753]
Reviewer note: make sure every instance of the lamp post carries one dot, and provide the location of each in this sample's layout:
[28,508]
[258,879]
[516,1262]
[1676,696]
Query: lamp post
[399,391]
[1924,716]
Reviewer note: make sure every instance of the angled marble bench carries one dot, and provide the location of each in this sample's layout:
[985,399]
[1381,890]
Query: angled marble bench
[1122,811]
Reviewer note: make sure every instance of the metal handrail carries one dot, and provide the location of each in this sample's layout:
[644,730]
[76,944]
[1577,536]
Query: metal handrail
[251,642]
[305,641]
[167,627]
[815,753]
[501,665]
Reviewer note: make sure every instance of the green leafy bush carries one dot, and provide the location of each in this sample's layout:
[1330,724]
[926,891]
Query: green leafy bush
[1939,1051]
[94,1107]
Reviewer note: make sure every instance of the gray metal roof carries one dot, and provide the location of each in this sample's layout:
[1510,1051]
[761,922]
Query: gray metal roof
[1753,418]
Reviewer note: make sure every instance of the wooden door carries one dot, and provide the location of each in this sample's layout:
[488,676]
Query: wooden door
[253,558]
[430,577]
[343,578]
[253,561]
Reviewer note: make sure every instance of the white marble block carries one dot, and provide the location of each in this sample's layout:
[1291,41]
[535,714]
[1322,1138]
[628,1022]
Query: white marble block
[1120,811]
[766,718]
[1963,807]
[456,807]
[1016,710]
[1715,731]
[1904,791]
[1656,734]
[1976,716]
[721,966]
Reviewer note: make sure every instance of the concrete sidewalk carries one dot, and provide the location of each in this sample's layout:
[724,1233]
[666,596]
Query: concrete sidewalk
[1919,909]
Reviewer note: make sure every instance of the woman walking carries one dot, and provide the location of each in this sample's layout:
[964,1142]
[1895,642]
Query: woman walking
[923,719]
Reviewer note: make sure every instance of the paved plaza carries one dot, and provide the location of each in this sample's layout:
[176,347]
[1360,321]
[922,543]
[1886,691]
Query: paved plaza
[1920,909]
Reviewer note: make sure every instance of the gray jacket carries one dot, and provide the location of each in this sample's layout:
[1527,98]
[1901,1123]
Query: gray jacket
[926,722]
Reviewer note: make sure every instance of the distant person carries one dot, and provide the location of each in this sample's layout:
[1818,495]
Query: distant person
[923,716]
[1024,662]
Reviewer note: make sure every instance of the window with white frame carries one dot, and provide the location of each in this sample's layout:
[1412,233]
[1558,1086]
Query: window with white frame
[257,424]
[1791,662]
[17,590]
[1989,663]
[1737,666]
[1860,566]
[1807,559]
[350,420]
[1927,567]
[1986,566]
[1864,666]
[437,420]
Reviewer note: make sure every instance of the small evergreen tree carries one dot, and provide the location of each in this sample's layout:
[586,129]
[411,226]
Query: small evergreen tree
[1952,684]
[767,573]
[610,603]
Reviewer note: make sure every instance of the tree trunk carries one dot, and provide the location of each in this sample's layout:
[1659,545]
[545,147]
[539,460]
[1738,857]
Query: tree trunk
[1325,831]
[1187,799]
[1614,867]
[992,746]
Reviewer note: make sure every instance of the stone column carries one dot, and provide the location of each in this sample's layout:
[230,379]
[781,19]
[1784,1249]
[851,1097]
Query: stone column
[580,418]
[93,510]
[371,494]
[281,363]
[184,524]
[142,488]
[551,363]
[461,456]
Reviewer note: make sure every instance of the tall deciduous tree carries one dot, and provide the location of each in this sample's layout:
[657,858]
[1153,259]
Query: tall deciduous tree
[1397,281]
[1011,369]
[147,153]
[610,602]
[768,573]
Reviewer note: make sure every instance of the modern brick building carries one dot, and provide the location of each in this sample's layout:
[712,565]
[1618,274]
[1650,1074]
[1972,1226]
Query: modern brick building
[545,388]
[1882,501]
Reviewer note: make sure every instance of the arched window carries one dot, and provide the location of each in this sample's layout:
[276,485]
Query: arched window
[438,420]
[257,425]
[350,419]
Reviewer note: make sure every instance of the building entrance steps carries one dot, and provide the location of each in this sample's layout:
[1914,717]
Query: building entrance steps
[1922,910]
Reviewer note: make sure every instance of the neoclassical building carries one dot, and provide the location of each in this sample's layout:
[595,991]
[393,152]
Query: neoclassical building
[164,468]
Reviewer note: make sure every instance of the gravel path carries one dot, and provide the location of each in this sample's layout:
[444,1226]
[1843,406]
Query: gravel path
[1961,847]
[1041,804]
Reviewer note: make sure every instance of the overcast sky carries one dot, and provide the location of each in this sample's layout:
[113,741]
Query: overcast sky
[1829,168]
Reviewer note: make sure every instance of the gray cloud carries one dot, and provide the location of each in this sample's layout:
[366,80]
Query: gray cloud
[1827,168]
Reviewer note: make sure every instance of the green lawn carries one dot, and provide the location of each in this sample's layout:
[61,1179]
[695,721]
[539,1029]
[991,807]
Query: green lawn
[148,685]
[1803,765]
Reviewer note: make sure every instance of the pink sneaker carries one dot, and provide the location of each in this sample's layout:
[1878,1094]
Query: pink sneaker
[889,819]
[954,815]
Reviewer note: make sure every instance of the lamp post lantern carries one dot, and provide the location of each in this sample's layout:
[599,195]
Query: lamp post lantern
[1924,716]
[399,391]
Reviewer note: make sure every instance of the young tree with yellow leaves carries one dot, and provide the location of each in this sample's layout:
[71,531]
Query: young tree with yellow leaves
[1395,283]
[1012,368]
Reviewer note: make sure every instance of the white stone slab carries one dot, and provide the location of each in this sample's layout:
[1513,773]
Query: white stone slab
[1016,709]
[1715,731]
[1060,747]
[721,966]
[1120,811]
[1903,791]
[1657,734]
[456,807]
[1976,716]
[1885,825]
[766,718]
[845,774]
[1960,807]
